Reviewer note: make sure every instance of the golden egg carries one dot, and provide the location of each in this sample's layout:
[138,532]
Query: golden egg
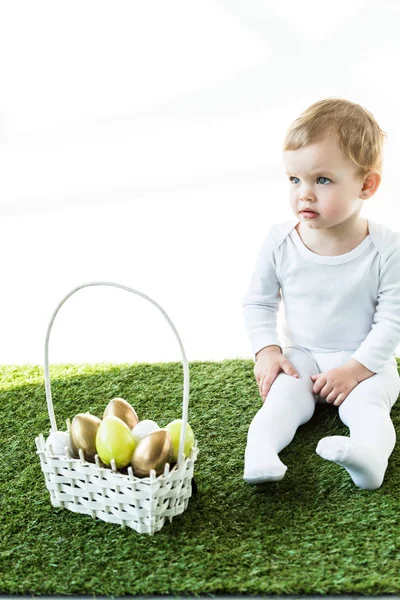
[152,452]
[83,432]
[123,410]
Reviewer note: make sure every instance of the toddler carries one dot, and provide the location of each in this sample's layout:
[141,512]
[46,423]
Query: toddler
[338,275]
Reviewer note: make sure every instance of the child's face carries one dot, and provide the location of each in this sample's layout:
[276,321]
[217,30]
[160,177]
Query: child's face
[321,178]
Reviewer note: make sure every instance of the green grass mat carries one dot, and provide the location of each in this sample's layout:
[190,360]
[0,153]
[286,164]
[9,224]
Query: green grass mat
[313,532]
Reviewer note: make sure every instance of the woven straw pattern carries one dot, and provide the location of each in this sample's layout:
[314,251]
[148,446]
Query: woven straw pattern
[140,503]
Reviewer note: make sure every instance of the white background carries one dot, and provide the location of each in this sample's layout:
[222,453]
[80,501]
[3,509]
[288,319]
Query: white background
[141,143]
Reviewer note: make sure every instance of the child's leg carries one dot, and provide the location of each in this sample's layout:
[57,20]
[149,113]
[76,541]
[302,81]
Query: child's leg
[366,412]
[290,403]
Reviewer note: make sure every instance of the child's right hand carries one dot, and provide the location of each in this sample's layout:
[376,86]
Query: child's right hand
[268,366]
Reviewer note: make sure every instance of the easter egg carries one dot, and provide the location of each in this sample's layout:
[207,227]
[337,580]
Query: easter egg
[57,441]
[152,452]
[114,440]
[174,428]
[83,432]
[143,428]
[118,407]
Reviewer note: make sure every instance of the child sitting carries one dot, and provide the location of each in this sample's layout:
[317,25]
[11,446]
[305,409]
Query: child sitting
[338,275]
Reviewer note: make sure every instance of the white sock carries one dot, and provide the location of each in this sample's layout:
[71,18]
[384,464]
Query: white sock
[262,464]
[365,464]
[288,405]
[365,454]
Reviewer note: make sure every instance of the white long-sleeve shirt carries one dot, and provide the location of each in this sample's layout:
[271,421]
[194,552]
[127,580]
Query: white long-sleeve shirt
[347,302]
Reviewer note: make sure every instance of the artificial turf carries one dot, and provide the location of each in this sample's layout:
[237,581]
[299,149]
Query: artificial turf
[313,532]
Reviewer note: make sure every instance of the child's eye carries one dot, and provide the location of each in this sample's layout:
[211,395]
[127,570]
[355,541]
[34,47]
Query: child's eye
[290,178]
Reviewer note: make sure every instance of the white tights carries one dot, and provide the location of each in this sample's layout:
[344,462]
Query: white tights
[291,402]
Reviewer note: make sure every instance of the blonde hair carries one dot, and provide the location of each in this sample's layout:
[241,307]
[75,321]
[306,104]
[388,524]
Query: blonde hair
[351,125]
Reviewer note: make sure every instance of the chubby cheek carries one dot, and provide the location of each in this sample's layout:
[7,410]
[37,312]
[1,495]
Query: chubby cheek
[294,204]
[333,211]
[337,209]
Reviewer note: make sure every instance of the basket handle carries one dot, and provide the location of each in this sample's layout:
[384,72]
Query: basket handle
[185,404]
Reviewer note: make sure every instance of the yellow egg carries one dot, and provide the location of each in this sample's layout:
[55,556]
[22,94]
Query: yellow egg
[118,407]
[114,440]
[83,432]
[174,428]
[152,452]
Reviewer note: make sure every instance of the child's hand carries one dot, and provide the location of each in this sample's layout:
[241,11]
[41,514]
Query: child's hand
[267,369]
[335,385]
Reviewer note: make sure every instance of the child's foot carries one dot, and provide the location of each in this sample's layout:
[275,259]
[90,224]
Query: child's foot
[365,465]
[262,465]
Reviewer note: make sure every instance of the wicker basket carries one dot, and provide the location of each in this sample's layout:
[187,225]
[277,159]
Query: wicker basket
[90,488]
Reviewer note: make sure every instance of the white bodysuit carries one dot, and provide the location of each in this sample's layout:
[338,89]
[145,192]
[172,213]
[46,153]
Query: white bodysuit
[347,302]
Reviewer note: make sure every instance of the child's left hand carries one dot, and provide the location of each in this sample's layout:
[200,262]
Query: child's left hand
[335,385]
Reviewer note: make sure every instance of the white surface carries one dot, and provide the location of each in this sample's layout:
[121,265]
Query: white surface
[141,143]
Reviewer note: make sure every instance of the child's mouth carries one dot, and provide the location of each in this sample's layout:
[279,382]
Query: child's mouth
[309,214]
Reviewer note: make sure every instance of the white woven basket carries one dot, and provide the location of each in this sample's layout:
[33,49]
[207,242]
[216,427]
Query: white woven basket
[81,486]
